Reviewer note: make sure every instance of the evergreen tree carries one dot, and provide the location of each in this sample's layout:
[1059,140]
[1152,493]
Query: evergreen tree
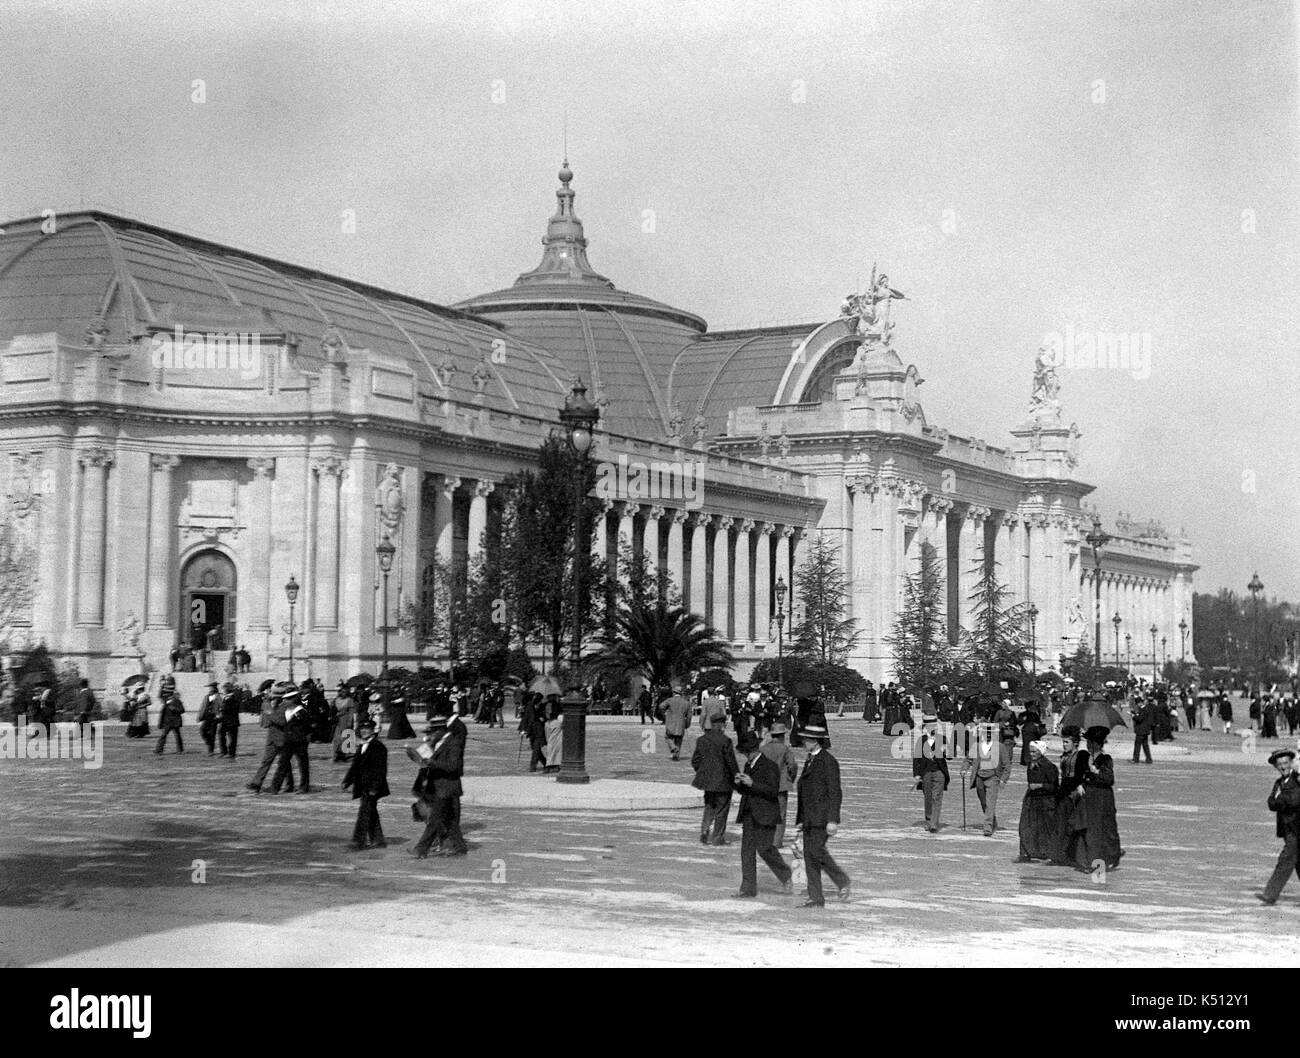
[996,645]
[824,632]
[920,637]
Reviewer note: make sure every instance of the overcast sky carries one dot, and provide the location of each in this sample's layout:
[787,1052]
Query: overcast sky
[1016,168]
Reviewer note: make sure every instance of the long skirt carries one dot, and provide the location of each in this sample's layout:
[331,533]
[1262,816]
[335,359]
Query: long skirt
[1040,834]
[1102,839]
[554,743]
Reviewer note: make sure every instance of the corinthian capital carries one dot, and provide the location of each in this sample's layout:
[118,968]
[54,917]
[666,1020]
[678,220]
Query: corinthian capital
[863,484]
[329,465]
[163,463]
[977,515]
[939,506]
[724,523]
[261,467]
[98,456]
[745,526]
[484,488]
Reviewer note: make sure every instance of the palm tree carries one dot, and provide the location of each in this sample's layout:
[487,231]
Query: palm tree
[661,643]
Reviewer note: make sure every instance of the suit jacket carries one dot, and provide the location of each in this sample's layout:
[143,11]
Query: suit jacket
[677,715]
[1285,801]
[210,709]
[758,801]
[368,773]
[925,760]
[714,761]
[819,791]
[787,765]
[230,704]
[170,717]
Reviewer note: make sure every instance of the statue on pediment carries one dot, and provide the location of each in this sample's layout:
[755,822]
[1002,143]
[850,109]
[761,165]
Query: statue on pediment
[1044,400]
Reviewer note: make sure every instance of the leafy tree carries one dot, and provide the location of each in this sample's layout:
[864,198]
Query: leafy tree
[919,640]
[838,681]
[996,646]
[430,619]
[824,632]
[659,642]
[17,580]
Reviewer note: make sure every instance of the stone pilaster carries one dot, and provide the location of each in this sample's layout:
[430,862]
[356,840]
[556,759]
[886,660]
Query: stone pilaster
[676,551]
[699,594]
[325,608]
[259,609]
[162,538]
[478,508]
[762,582]
[741,590]
[95,463]
[650,538]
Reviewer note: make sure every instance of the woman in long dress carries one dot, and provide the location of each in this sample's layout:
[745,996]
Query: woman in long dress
[1071,822]
[554,734]
[1101,842]
[1039,833]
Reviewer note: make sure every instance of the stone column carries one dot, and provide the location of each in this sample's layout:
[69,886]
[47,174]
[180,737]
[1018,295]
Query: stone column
[627,513]
[329,474]
[1009,546]
[740,594]
[443,529]
[861,563]
[650,538]
[888,562]
[763,582]
[676,551]
[970,550]
[259,564]
[721,597]
[90,557]
[936,531]
[478,505]
[699,596]
[600,535]
[162,535]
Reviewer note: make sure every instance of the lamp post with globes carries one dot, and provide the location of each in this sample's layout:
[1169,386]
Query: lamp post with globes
[291,593]
[384,551]
[579,418]
[1033,643]
[781,589]
[1116,621]
[1128,651]
[1154,630]
[1097,539]
[1182,631]
[1256,588]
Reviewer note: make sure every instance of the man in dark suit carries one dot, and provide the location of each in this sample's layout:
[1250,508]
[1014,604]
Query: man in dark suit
[714,761]
[1143,721]
[274,722]
[439,783]
[228,721]
[368,778]
[209,716]
[930,769]
[819,815]
[759,815]
[1285,801]
[297,734]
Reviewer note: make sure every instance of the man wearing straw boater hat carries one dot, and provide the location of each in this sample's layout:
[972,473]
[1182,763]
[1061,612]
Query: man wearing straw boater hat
[818,816]
[1285,801]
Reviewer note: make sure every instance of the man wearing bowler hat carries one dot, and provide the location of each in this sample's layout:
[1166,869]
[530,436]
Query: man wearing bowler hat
[1285,801]
[759,785]
[368,779]
[930,769]
[787,766]
[818,815]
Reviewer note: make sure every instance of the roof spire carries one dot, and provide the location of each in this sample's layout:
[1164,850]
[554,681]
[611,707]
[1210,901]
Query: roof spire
[564,255]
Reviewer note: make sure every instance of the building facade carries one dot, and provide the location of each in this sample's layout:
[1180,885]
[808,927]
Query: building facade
[185,427]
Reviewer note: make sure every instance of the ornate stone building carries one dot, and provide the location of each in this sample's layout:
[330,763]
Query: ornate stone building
[185,426]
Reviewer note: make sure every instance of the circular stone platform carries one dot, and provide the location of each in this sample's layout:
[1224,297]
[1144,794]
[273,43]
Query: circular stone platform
[599,795]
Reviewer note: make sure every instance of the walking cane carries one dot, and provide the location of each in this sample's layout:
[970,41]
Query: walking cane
[520,755]
[963,803]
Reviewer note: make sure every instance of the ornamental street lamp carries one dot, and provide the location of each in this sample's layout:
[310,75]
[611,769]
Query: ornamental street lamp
[1128,651]
[1256,587]
[1154,630]
[579,418]
[1182,631]
[1033,645]
[781,589]
[291,593]
[1097,539]
[1116,621]
[1164,653]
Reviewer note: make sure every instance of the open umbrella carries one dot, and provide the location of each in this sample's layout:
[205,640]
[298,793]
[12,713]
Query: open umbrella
[361,679]
[265,684]
[131,681]
[546,686]
[1093,713]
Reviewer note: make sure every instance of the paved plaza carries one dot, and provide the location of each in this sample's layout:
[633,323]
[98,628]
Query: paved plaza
[99,867]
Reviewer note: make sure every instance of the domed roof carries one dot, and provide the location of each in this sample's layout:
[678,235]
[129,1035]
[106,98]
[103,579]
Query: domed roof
[123,278]
[623,343]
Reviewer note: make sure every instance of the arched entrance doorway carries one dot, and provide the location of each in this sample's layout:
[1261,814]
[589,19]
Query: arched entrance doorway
[208,602]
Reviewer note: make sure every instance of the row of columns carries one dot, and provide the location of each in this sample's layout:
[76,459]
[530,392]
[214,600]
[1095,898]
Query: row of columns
[725,574]
[1140,602]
